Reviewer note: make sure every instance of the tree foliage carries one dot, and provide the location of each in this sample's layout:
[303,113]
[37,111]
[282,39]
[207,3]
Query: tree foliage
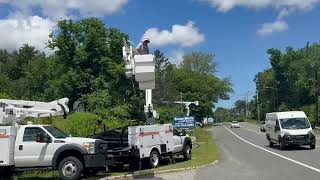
[292,82]
[88,68]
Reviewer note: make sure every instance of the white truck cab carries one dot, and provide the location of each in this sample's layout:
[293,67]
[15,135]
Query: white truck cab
[29,147]
[35,146]
[289,128]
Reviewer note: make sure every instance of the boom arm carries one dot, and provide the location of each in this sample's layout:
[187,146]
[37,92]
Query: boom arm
[141,68]
[15,111]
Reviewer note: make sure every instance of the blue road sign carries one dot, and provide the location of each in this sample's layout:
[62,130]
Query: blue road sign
[184,122]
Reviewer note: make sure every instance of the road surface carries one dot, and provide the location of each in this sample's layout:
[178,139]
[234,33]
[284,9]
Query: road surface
[245,155]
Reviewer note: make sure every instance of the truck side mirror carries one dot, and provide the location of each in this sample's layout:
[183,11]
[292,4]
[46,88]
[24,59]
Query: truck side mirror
[183,133]
[47,138]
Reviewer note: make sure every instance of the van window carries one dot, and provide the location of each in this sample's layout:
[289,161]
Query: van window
[294,123]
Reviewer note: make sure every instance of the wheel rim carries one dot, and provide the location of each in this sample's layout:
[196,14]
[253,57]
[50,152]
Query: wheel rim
[188,151]
[69,169]
[155,159]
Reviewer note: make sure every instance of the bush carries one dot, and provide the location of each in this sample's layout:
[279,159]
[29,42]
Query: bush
[81,124]
[168,113]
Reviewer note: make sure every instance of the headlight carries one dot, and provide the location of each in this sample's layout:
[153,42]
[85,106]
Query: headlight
[89,146]
[310,132]
[311,135]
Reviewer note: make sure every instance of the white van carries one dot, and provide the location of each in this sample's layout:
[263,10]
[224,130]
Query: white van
[289,128]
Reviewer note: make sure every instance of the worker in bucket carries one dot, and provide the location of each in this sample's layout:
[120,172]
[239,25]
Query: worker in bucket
[142,47]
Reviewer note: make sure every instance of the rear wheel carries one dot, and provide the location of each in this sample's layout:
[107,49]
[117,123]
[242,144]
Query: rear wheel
[187,153]
[154,159]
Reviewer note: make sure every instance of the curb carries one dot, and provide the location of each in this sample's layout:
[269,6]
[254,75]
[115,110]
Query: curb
[159,172]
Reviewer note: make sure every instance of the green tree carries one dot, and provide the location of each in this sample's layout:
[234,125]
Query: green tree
[199,62]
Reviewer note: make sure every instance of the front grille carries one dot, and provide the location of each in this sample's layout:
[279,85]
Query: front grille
[101,147]
[300,137]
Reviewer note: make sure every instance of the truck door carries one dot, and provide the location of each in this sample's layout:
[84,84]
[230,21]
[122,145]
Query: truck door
[277,129]
[177,139]
[29,153]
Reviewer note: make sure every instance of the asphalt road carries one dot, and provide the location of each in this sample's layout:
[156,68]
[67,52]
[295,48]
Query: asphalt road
[245,155]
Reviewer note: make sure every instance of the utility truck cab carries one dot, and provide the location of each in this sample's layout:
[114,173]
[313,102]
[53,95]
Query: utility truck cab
[289,128]
[32,147]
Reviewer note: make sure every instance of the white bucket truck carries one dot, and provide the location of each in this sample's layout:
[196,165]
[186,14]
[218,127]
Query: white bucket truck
[148,144]
[32,147]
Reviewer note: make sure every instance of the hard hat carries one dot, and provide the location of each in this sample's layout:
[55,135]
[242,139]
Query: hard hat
[146,39]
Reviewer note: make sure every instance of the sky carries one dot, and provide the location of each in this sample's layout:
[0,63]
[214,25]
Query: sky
[237,32]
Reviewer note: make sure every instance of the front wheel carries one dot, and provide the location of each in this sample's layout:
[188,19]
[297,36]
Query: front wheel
[281,145]
[187,153]
[271,144]
[70,168]
[312,146]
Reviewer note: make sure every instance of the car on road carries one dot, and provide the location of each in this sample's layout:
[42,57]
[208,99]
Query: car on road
[235,124]
[289,128]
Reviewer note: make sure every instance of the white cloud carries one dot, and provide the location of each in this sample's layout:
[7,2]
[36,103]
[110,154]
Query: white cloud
[22,26]
[57,9]
[270,28]
[283,13]
[184,35]
[33,30]
[226,5]
[176,57]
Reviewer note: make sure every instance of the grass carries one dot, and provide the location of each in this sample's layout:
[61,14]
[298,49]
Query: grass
[206,153]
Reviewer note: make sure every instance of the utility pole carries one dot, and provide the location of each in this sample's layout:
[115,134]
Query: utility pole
[247,104]
[317,97]
[258,108]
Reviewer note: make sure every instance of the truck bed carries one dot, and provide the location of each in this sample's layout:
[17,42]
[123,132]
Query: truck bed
[117,139]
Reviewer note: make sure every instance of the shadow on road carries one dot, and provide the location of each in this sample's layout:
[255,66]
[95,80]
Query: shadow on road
[291,148]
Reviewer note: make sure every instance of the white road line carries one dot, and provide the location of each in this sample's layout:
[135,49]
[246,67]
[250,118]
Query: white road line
[276,154]
[254,131]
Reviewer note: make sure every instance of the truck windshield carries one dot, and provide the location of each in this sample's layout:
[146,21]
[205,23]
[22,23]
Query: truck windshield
[55,132]
[295,123]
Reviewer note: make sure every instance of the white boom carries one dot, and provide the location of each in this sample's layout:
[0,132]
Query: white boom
[141,68]
[187,104]
[15,111]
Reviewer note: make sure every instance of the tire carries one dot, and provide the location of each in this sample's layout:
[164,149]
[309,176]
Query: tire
[70,168]
[6,173]
[154,159]
[281,145]
[312,146]
[187,152]
[271,144]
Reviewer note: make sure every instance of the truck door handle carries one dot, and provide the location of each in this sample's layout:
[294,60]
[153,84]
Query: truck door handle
[20,147]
